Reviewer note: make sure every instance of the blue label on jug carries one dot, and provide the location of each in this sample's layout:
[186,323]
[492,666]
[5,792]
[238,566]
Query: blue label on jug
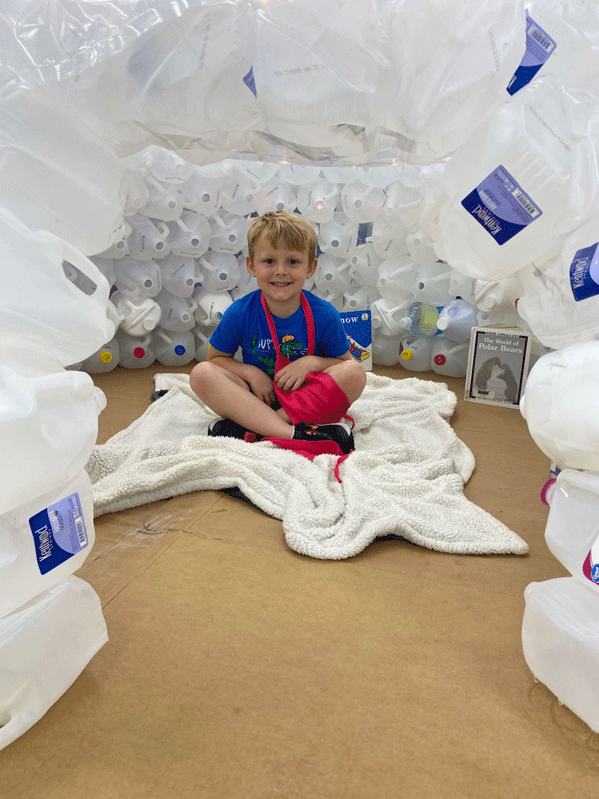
[59,532]
[501,205]
[584,273]
[249,81]
[539,46]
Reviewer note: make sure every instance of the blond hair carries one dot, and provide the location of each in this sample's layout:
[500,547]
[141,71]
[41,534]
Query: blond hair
[283,230]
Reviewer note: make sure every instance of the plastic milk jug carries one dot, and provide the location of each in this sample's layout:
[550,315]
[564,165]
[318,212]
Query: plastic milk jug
[386,318]
[338,237]
[388,239]
[48,429]
[361,203]
[104,360]
[420,247]
[333,275]
[201,194]
[140,314]
[51,293]
[560,643]
[57,175]
[457,319]
[573,524]
[317,201]
[450,357]
[202,340]
[560,296]
[45,540]
[179,274]
[177,313]
[220,271]
[275,196]
[396,278]
[431,283]
[402,205]
[173,348]
[523,180]
[385,349]
[358,298]
[499,296]
[561,405]
[364,264]
[189,234]
[135,351]
[141,278]
[66,624]
[229,233]
[147,239]
[416,353]
[165,202]
[211,306]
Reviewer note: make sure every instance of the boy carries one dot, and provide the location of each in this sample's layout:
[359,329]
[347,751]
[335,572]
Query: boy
[297,379]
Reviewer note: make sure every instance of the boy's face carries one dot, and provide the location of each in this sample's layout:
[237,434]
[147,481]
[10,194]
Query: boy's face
[280,273]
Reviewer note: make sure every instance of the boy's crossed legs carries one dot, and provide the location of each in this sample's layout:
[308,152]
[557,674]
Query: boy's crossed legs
[230,396]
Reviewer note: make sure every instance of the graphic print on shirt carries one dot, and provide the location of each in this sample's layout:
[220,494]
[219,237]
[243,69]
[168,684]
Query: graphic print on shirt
[290,349]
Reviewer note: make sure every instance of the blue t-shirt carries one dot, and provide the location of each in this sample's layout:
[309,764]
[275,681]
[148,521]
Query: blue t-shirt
[244,325]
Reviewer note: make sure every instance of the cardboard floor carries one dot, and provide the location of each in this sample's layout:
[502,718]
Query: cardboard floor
[238,669]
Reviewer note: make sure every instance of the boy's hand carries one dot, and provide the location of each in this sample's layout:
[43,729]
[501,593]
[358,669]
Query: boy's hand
[291,377]
[261,385]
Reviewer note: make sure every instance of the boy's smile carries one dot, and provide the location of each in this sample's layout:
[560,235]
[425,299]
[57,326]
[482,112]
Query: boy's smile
[280,274]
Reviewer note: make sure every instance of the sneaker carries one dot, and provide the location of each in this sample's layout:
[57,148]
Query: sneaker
[340,433]
[225,428]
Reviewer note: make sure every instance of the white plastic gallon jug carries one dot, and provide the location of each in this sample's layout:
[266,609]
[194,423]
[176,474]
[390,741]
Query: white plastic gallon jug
[44,647]
[179,274]
[220,271]
[339,236]
[317,201]
[104,360]
[415,354]
[189,234]
[275,196]
[177,312]
[135,351]
[402,205]
[457,319]
[388,238]
[140,315]
[573,524]
[174,348]
[211,306]
[51,293]
[421,247]
[561,405]
[333,275]
[386,318]
[560,642]
[142,278]
[396,278]
[385,349]
[560,296]
[431,283]
[525,178]
[364,264]
[449,357]
[56,174]
[45,540]
[148,239]
[48,429]
[201,194]
[499,296]
[229,232]
[361,203]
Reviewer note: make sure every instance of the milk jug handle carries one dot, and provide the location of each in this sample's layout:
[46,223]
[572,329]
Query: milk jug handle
[83,263]
[20,722]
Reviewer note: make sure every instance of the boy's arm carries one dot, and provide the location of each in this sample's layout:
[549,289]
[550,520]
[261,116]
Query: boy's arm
[293,375]
[259,382]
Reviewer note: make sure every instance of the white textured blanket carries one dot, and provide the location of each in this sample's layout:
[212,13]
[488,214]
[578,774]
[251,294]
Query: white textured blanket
[405,477]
